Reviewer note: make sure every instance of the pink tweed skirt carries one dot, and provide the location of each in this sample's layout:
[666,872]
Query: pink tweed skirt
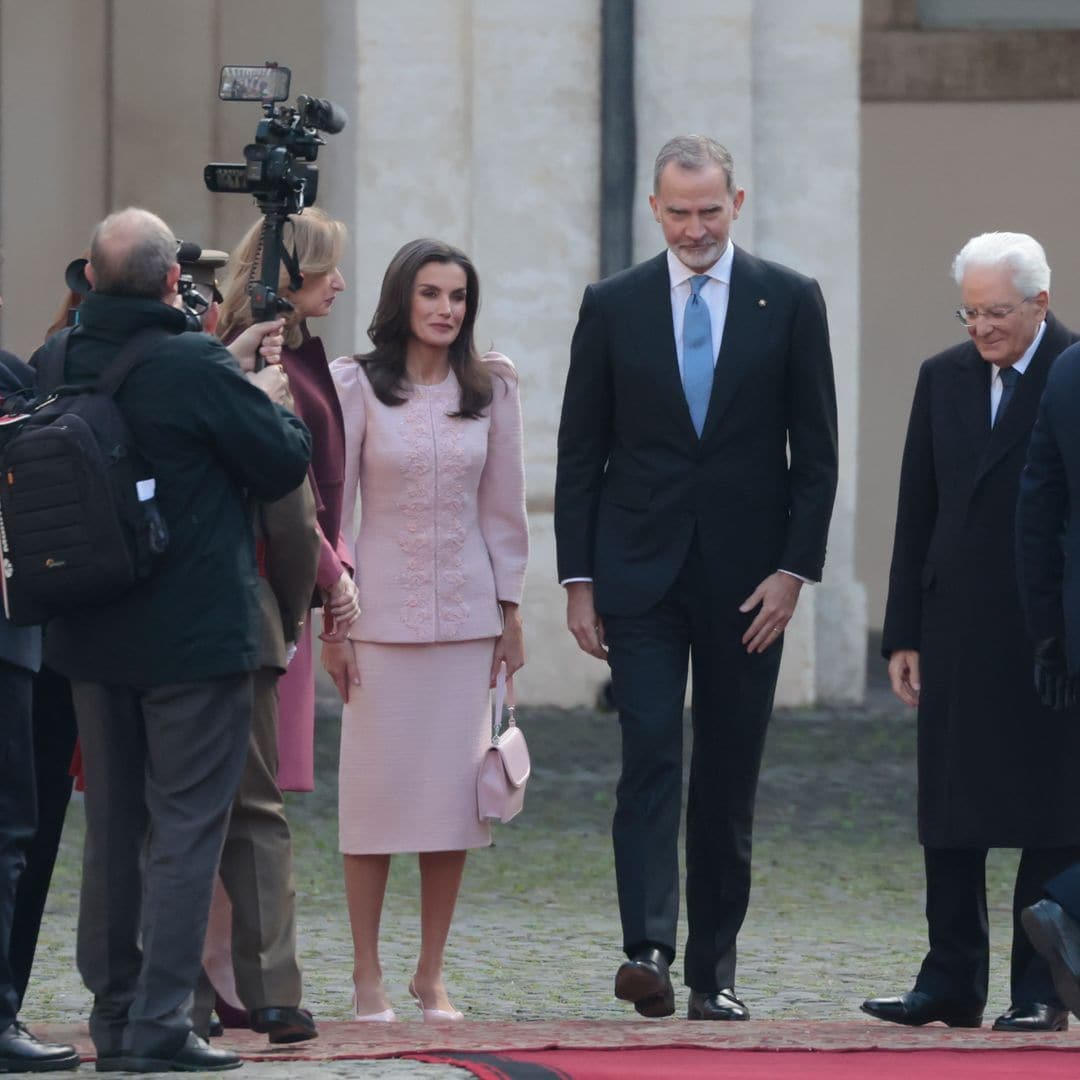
[412,738]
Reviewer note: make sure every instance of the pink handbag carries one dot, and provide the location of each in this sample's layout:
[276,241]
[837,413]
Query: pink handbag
[500,787]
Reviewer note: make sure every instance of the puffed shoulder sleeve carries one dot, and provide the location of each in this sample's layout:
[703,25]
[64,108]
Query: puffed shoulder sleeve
[352,386]
[504,522]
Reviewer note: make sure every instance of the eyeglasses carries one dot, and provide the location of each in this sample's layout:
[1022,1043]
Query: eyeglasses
[969,316]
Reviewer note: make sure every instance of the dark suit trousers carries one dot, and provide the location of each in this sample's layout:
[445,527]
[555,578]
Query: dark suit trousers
[54,744]
[732,701]
[1065,889]
[162,767]
[957,965]
[18,813]
[257,871]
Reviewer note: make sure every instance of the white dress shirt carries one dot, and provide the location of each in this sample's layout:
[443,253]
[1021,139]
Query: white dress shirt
[1021,365]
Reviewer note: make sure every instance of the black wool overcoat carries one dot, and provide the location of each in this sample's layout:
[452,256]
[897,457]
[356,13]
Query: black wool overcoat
[996,769]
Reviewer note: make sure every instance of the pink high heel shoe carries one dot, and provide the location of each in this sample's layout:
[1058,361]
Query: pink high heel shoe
[387,1016]
[433,1016]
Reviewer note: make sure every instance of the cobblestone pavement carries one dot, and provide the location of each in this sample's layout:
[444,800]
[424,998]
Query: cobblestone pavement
[835,916]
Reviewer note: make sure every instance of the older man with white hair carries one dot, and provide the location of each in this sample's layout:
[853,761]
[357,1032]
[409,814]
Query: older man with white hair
[996,767]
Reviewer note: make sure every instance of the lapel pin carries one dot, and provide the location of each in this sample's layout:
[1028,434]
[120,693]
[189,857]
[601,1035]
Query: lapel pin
[761,302]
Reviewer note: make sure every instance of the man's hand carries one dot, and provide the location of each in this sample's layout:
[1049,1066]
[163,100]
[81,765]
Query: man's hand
[341,606]
[273,381]
[904,675]
[339,660]
[581,618]
[1052,683]
[264,339]
[777,596]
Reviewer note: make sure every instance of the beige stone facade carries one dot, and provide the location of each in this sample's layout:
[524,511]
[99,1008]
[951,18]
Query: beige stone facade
[479,121]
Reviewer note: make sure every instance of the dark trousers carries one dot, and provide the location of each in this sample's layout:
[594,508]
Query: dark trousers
[1065,889]
[257,871]
[54,744]
[957,965]
[18,813]
[732,701]
[162,766]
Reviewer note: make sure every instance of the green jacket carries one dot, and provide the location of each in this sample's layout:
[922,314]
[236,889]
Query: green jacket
[210,439]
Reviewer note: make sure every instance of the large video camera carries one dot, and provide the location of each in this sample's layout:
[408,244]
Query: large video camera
[276,168]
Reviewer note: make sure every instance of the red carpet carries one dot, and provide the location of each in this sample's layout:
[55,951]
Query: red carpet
[699,1064]
[675,1049]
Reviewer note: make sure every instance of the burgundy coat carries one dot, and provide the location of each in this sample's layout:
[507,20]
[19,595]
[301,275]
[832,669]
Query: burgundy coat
[316,403]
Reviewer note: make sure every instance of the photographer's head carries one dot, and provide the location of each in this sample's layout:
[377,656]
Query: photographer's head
[133,254]
[319,242]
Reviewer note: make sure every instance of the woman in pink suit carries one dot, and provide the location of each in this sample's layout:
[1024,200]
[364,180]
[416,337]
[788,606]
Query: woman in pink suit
[433,447]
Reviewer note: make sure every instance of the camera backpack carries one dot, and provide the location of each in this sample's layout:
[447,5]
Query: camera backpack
[73,531]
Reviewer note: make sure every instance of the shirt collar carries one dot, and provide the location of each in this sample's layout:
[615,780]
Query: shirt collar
[720,270]
[1021,365]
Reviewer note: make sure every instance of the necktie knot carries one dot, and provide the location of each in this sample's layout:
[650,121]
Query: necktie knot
[1009,378]
[696,283]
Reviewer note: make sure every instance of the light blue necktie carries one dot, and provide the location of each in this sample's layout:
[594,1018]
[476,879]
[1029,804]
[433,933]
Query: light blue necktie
[1009,378]
[697,353]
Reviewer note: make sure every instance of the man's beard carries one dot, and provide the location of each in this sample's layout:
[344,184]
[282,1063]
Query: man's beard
[700,258]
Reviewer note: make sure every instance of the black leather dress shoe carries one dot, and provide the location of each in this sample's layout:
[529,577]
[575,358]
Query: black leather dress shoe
[644,979]
[723,1005]
[195,1055]
[1033,1016]
[284,1023]
[1055,936]
[916,1008]
[21,1052]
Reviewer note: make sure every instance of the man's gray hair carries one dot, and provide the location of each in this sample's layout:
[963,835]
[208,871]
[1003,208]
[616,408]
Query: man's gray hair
[131,254]
[695,152]
[1021,253]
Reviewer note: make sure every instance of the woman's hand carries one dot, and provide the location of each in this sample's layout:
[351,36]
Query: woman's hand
[511,643]
[263,339]
[339,660]
[341,606]
[273,381]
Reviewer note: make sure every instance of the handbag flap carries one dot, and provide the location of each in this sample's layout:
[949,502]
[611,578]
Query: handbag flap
[514,753]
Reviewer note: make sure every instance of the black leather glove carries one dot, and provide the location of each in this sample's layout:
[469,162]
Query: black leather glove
[1052,683]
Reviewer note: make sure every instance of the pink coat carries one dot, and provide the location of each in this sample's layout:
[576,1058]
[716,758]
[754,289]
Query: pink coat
[443,533]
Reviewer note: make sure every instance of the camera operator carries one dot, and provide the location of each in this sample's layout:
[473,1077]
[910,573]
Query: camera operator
[161,675]
[20,657]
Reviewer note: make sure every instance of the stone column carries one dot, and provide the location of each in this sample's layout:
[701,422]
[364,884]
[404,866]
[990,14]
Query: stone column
[806,186]
[476,121]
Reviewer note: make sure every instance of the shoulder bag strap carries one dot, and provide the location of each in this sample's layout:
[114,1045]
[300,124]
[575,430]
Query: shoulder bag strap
[135,350]
[48,362]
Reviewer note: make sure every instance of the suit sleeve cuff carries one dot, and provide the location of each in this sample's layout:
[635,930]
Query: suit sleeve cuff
[791,573]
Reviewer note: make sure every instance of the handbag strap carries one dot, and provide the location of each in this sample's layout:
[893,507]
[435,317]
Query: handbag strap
[504,695]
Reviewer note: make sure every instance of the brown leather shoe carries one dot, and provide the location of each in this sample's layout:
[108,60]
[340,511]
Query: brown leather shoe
[644,979]
[723,1005]
[284,1023]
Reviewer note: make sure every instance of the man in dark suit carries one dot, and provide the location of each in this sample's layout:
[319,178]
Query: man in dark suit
[20,657]
[957,648]
[683,534]
[1048,544]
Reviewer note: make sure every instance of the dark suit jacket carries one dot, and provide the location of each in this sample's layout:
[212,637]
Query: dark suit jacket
[996,769]
[634,482]
[18,645]
[1048,532]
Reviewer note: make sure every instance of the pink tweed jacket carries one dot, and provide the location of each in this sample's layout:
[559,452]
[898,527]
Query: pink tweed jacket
[443,533]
